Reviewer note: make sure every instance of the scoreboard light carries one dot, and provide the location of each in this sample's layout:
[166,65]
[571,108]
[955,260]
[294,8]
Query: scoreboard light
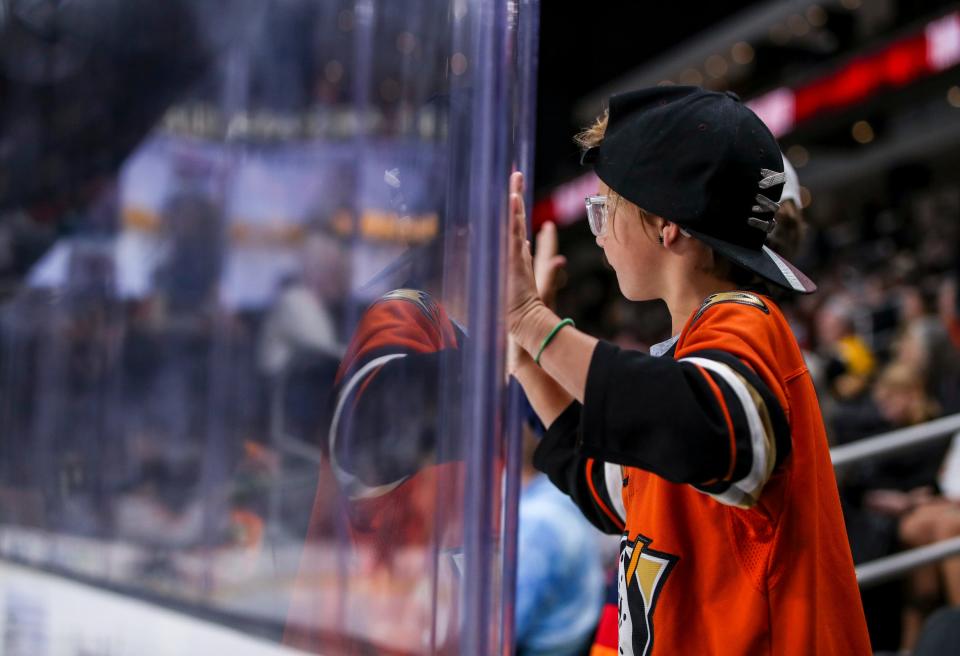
[935,49]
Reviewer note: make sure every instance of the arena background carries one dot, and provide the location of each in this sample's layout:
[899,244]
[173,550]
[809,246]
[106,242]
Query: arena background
[199,201]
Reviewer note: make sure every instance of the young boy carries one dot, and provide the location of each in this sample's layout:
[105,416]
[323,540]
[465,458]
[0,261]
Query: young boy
[713,463]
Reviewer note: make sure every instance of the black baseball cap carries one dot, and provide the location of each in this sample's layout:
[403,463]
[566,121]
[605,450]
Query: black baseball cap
[704,161]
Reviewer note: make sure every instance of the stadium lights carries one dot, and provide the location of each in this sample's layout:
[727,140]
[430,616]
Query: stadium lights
[779,34]
[406,43]
[333,71]
[862,132]
[798,155]
[798,25]
[458,63]
[749,26]
[691,76]
[816,15]
[742,53]
[953,96]
[930,50]
[716,66]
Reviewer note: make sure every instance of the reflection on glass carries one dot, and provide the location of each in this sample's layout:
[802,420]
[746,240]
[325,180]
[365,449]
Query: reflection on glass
[238,246]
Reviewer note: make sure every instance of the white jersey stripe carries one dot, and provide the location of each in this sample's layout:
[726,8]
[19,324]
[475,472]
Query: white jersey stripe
[613,475]
[754,481]
[353,486]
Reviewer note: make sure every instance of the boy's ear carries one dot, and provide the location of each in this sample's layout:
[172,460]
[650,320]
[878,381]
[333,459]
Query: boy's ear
[671,232]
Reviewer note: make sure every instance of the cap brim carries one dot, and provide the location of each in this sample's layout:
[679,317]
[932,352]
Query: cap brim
[765,263]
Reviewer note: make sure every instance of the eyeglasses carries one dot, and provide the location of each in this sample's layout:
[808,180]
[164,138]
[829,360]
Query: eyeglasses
[597,214]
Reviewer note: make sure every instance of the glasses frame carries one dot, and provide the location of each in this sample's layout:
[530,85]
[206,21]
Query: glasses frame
[597,214]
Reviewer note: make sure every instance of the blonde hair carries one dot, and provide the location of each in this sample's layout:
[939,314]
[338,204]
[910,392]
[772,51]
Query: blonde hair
[899,378]
[592,136]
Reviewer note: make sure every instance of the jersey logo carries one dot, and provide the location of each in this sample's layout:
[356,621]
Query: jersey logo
[415,296]
[641,575]
[740,298]
[421,299]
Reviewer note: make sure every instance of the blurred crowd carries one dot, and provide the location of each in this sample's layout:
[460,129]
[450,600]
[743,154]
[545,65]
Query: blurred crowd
[882,339]
[164,421]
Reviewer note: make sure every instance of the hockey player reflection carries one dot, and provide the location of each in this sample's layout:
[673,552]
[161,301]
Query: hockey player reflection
[393,452]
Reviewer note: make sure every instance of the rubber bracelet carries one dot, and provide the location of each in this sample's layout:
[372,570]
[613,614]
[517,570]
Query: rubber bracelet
[549,338]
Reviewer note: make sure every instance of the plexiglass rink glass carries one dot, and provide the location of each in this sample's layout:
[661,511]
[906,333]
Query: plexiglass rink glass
[251,348]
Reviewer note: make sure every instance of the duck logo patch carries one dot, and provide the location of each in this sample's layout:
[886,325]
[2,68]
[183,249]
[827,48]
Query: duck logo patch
[740,298]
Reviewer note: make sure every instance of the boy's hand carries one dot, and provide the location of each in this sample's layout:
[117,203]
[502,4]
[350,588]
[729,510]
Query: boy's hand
[522,293]
[548,265]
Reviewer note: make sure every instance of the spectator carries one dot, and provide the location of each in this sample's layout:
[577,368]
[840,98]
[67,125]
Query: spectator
[891,501]
[925,344]
[898,400]
[849,362]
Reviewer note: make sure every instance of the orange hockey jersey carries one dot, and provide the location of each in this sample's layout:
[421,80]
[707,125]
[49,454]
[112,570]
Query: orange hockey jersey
[714,467]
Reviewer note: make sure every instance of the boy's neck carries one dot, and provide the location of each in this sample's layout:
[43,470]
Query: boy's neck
[686,296]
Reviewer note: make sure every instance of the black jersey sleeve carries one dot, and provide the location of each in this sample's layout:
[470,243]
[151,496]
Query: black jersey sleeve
[707,420]
[388,418]
[397,395]
[595,486]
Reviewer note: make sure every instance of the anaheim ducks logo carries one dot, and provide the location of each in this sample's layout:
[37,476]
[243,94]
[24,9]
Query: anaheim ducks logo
[642,573]
[740,298]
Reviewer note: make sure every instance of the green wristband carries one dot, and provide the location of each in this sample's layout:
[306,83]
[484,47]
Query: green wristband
[549,338]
